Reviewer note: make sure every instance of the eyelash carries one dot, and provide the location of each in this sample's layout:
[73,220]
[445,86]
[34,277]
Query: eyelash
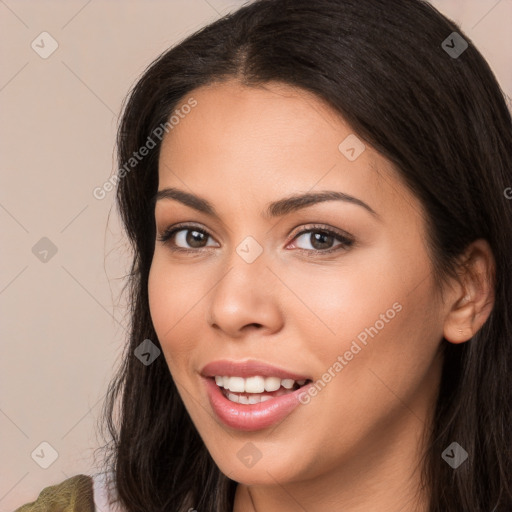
[345,240]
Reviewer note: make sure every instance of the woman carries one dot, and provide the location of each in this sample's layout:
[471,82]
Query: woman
[316,196]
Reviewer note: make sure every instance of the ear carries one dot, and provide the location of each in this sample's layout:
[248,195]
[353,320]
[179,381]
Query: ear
[472,296]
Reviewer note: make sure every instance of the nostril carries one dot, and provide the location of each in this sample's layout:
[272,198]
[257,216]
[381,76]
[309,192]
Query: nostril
[254,325]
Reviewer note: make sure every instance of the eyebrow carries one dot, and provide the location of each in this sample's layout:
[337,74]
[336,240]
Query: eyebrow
[275,209]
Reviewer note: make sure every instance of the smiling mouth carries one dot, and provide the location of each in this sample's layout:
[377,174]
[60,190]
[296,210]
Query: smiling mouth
[256,389]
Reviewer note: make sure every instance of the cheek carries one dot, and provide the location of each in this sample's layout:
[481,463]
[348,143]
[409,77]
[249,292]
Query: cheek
[161,302]
[377,315]
[373,366]
[345,299]
[171,304]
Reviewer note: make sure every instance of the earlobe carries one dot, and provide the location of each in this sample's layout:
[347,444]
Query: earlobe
[472,299]
[458,326]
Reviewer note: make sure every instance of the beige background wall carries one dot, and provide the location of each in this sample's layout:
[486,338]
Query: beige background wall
[61,319]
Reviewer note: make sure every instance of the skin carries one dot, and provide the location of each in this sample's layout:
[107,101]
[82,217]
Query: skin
[356,445]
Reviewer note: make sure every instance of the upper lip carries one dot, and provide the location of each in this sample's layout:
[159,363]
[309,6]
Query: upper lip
[249,368]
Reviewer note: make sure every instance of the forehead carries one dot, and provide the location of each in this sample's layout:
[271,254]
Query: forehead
[270,141]
[275,117]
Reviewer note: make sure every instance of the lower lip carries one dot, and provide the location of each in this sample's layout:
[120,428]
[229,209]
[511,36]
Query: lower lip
[251,416]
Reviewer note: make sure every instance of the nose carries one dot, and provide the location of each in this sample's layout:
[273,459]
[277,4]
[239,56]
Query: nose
[246,298]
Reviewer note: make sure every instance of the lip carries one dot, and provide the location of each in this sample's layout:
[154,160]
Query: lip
[249,368]
[251,417]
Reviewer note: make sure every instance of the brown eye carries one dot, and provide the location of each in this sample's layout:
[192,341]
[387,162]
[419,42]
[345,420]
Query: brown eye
[194,238]
[322,240]
[185,238]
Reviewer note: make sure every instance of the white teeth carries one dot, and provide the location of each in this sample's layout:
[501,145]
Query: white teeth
[272,383]
[249,400]
[287,383]
[232,397]
[236,384]
[256,384]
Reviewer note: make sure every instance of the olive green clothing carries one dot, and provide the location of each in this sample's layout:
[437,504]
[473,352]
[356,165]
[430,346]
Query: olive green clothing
[72,495]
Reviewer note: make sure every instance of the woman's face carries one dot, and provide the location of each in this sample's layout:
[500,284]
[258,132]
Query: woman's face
[269,292]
